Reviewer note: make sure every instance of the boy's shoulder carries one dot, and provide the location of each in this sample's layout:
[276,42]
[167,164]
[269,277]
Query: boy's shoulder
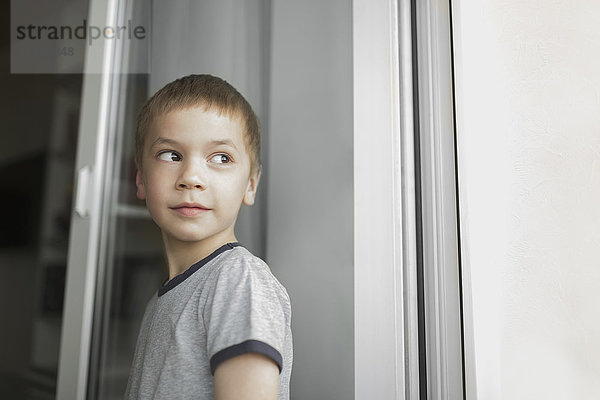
[241,253]
[240,260]
[239,268]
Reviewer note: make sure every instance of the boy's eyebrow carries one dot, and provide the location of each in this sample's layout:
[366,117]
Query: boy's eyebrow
[227,142]
[163,140]
[217,142]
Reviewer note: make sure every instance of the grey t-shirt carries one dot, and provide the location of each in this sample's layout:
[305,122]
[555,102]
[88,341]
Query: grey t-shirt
[227,304]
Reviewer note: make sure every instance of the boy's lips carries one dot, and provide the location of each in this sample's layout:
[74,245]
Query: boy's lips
[189,209]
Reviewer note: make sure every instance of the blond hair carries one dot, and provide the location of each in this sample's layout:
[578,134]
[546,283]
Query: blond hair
[209,92]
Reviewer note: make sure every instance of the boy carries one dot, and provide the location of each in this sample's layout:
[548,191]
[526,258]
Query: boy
[220,326]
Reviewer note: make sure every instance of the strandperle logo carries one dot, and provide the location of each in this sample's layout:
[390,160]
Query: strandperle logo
[82,32]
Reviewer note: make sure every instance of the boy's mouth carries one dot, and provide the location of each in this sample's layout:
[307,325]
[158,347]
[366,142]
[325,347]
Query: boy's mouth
[189,209]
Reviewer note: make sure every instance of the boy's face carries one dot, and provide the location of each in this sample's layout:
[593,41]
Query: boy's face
[196,173]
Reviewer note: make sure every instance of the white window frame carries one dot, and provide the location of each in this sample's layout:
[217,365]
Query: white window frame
[101,61]
[405,217]
[441,263]
[385,259]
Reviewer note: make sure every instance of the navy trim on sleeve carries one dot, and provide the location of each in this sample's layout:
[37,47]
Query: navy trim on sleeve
[195,267]
[249,346]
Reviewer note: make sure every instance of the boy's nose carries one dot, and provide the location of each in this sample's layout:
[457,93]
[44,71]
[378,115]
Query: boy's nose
[191,177]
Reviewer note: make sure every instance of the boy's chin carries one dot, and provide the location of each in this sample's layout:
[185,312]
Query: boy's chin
[185,238]
[196,238]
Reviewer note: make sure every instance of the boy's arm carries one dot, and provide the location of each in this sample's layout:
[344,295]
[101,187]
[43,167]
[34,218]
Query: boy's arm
[250,376]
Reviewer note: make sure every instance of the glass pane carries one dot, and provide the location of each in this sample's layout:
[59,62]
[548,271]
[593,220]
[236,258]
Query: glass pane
[39,119]
[134,265]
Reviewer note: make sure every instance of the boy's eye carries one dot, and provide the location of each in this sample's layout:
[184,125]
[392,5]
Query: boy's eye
[169,156]
[221,159]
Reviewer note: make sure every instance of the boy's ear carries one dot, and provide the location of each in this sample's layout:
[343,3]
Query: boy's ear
[139,183]
[250,194]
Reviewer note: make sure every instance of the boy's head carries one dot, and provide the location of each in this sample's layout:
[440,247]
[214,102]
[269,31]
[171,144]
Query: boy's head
[197,149]
[206,91]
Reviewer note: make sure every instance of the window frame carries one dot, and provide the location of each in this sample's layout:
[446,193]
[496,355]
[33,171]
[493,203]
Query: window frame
[407,252]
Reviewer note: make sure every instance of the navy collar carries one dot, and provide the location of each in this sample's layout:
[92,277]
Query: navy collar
[168,285]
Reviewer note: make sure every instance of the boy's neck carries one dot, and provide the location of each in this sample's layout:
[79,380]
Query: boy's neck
[181,255]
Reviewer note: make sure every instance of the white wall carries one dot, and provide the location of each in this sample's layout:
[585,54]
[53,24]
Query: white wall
[528,120]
